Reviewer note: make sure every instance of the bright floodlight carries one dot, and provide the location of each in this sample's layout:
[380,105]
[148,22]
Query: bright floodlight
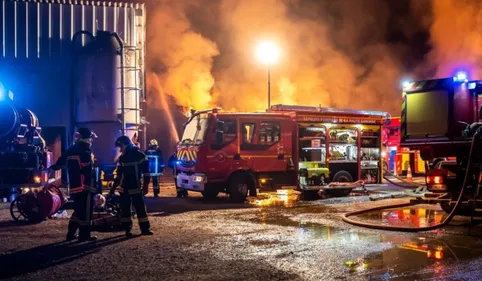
[267,53]
[461,76]
[406,84]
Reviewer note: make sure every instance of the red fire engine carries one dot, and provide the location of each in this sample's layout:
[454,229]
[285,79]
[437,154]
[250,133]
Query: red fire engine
[398,159]
[299,147]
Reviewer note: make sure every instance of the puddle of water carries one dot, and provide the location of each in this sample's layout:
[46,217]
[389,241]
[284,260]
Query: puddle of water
[405,259]
[308,230]
[408,255]
[407,217]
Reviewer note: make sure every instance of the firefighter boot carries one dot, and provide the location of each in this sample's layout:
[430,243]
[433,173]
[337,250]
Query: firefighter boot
[72,229]
[147,232]
[84,235]
[128,229]
[145,227]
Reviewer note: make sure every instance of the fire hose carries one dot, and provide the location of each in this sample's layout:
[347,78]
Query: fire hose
[398,178]
[446,221]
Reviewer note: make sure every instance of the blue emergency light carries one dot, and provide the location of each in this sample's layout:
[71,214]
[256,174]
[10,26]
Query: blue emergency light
[472,85]
[461,77]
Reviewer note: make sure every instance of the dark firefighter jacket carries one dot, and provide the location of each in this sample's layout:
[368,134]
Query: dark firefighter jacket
[79,161]
[155,151]
[130,167]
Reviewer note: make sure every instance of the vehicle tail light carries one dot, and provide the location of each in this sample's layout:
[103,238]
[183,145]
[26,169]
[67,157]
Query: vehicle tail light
[435,254]
[434,180]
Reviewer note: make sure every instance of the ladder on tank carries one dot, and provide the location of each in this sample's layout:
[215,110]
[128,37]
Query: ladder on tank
[137,66]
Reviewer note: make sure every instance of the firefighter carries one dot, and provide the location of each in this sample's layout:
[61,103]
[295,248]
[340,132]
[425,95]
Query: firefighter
[78,159]
[154,150]
[131,164]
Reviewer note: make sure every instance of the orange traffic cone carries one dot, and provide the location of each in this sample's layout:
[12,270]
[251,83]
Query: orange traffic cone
[409,173]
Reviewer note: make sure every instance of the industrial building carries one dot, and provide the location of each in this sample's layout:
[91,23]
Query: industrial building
[71,79]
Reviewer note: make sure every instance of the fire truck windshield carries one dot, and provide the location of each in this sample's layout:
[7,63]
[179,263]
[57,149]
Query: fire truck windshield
[195,131]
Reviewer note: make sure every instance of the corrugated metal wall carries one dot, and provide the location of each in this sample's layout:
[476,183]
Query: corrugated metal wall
[40,29]
[35,48]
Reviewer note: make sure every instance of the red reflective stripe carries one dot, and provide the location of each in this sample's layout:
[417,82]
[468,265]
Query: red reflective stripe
[76,190]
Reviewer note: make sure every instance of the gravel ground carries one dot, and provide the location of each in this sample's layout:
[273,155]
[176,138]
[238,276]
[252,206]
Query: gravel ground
[198,240]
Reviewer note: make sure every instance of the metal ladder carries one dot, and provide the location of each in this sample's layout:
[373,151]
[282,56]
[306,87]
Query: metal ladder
[136,66]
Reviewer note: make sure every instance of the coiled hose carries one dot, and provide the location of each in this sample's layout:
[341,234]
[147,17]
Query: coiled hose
[447,220]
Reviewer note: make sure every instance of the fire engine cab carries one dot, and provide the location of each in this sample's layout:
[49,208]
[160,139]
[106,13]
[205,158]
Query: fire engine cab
[440,118]
[300,147]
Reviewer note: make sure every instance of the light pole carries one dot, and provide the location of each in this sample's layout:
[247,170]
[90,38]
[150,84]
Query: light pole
[268,54]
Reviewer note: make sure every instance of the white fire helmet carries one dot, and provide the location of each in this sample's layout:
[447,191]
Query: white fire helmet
[99,201]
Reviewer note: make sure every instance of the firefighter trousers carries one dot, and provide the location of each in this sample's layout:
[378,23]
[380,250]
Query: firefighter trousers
[137,199]
[155,184]
[82,215]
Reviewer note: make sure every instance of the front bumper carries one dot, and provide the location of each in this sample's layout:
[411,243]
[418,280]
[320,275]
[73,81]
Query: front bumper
[195,182]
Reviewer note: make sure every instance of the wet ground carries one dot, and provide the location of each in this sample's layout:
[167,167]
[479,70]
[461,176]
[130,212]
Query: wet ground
[273,237]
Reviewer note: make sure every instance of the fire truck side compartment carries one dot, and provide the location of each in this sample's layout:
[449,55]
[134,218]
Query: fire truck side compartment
[266,146]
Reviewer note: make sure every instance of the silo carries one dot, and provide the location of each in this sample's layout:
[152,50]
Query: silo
[99,87]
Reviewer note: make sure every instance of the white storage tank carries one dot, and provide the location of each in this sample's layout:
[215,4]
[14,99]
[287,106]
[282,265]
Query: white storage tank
[102,98]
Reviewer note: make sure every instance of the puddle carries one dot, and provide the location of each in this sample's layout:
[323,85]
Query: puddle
[410,257]
[309,230]
[432,255]
[407,217]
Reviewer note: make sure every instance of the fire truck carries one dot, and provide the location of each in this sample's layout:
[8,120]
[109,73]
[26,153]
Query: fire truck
[398,159]
[440,118]
[292,147]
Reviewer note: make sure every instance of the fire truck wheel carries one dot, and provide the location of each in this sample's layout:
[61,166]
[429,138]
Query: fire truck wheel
[238,187]
[342,176]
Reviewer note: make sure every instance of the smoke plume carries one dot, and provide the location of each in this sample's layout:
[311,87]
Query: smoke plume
[179,58]
[333,54]
[455,37]
[346,54]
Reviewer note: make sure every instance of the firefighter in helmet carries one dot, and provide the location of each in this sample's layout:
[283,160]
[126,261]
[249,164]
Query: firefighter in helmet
[131,164]
[152,151]
[78,159]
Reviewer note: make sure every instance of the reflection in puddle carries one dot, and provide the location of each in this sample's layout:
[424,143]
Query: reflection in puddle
[403,261]
[286,198]
[408,217]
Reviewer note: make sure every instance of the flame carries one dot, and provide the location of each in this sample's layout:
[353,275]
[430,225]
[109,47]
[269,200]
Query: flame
[213,64]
